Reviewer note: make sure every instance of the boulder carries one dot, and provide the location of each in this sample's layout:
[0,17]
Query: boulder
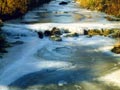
[56,31]
[55,38]
[47,33]
[40,34]
[116,34]
[85,32]
[63,3]
[116,49]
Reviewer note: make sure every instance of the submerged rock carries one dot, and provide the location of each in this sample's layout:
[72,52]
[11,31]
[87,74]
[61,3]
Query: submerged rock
[40,34]
[55,38]
[47,33]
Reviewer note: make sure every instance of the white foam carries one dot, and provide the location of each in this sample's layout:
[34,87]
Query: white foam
[73,27]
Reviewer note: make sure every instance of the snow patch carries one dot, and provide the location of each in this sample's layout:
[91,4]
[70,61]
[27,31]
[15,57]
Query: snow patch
[112,78]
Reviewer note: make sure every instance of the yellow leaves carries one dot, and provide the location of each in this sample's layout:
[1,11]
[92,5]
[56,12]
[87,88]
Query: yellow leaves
[108,6]
[11,6]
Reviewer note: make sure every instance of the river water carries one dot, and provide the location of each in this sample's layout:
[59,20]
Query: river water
[75,63]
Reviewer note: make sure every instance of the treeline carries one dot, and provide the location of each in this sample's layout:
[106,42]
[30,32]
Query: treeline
[14,8]
[108,6]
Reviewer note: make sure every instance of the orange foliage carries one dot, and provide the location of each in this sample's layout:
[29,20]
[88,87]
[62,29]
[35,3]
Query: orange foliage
[10,6]
[109,6]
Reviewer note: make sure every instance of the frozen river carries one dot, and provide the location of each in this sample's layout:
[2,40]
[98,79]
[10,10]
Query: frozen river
[75,63]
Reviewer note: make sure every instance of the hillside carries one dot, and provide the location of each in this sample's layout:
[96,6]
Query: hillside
[111,7]
[14,8]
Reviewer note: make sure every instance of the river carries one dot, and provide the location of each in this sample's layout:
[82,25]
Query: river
[75,63]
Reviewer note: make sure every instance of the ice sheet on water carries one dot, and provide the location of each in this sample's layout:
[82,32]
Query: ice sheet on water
[4,88]
[112,78]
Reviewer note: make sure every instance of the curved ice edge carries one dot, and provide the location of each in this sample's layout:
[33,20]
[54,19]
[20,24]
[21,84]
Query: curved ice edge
[22,67]
[111,79]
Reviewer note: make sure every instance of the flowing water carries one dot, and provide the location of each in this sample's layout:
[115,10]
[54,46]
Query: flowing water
[75,63]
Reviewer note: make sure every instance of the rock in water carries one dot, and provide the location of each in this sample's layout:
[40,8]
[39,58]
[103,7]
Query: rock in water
[63,3]
[56,31]
[85,32]
[47,33]
[116,49]
[40,34]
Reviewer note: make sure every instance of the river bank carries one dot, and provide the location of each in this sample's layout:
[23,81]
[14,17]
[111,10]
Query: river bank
[13,9]
[108,6]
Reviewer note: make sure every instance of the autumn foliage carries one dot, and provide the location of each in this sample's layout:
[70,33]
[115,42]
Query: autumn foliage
[108,6]
[14,8]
